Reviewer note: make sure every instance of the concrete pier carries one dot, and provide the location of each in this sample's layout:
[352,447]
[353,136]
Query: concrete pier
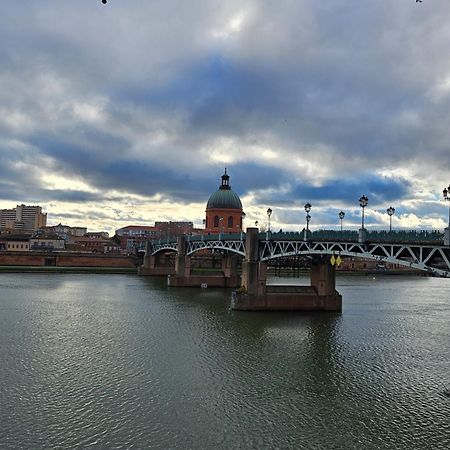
[155,265]
[255,295]
[183,276]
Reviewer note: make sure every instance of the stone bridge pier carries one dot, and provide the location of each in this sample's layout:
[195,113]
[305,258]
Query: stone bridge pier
[155,265]
[185,277]
[255,295]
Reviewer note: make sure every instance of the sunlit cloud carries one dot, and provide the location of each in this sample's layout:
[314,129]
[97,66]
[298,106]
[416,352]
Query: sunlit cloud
[130,114]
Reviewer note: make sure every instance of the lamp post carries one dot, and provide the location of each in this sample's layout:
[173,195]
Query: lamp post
[341,217]
[269,213]
[363,201]
[242,224]
[446,193]
[390,212]
[308,218]
[256,223]
[220,227]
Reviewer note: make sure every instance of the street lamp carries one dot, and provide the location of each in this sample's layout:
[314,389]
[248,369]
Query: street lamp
[308,218]
[204,227]
[390,212]
[446,193]
[269,213]
[363,201]
[256,223]
[341,217]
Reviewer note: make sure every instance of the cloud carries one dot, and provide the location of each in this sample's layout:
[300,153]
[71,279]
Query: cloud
[307,100]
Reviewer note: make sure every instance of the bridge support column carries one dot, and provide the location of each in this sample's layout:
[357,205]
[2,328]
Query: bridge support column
[323,276]
[362,235]
[255,295]
[230,270]
[254,272]
[182,265]
[184,277]
[447,236]
[151,266]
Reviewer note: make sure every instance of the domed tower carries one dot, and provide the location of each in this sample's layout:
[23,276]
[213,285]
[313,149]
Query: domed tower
[224,209]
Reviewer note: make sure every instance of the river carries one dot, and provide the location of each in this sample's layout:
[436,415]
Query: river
[118,361]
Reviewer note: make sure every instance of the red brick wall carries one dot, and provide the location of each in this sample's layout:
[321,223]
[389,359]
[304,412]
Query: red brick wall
[225,213]
[65,260]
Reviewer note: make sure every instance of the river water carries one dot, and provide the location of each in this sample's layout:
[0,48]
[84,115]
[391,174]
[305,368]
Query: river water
[118,361]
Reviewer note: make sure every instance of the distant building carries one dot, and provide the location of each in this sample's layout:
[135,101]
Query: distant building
[97,235]
[23,217]
[136,231]
[91,245]
[132,236]
[47,242]
[352,264]
[224,212]
[15,243]
[164,229]
[64,230]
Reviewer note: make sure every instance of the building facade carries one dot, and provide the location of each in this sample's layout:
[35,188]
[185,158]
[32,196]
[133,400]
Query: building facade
[23,217]
[15,243]
[65,230]
[48,242]
[224,213]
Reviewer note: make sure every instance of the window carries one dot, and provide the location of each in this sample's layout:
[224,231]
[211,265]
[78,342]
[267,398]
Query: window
[230,222]
[216,221]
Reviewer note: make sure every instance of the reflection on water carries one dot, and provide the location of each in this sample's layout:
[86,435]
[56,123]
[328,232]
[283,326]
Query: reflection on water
[115,361]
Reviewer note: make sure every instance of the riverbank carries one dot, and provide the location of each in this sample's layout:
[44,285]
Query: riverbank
[390,272]
[52,269]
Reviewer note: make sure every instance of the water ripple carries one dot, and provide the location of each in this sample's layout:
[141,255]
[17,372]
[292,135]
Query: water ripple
[125,362]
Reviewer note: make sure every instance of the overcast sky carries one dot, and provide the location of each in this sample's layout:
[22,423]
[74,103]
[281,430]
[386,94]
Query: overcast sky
[127,113]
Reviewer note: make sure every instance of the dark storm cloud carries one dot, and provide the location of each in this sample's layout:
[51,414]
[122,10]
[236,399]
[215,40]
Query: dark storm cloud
[380,190]
[37,195]
[134,97]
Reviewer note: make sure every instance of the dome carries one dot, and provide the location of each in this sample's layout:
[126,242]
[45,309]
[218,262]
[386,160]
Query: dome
[224,197]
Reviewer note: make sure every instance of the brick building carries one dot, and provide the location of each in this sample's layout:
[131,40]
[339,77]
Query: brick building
[224,209]
[132,237]
[15,243]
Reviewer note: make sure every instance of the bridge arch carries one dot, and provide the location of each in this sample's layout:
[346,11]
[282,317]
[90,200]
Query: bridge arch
[164,248]
[409,256]
[236,247]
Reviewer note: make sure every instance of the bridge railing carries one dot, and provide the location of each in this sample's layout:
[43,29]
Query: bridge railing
[425,237]
[400,236]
